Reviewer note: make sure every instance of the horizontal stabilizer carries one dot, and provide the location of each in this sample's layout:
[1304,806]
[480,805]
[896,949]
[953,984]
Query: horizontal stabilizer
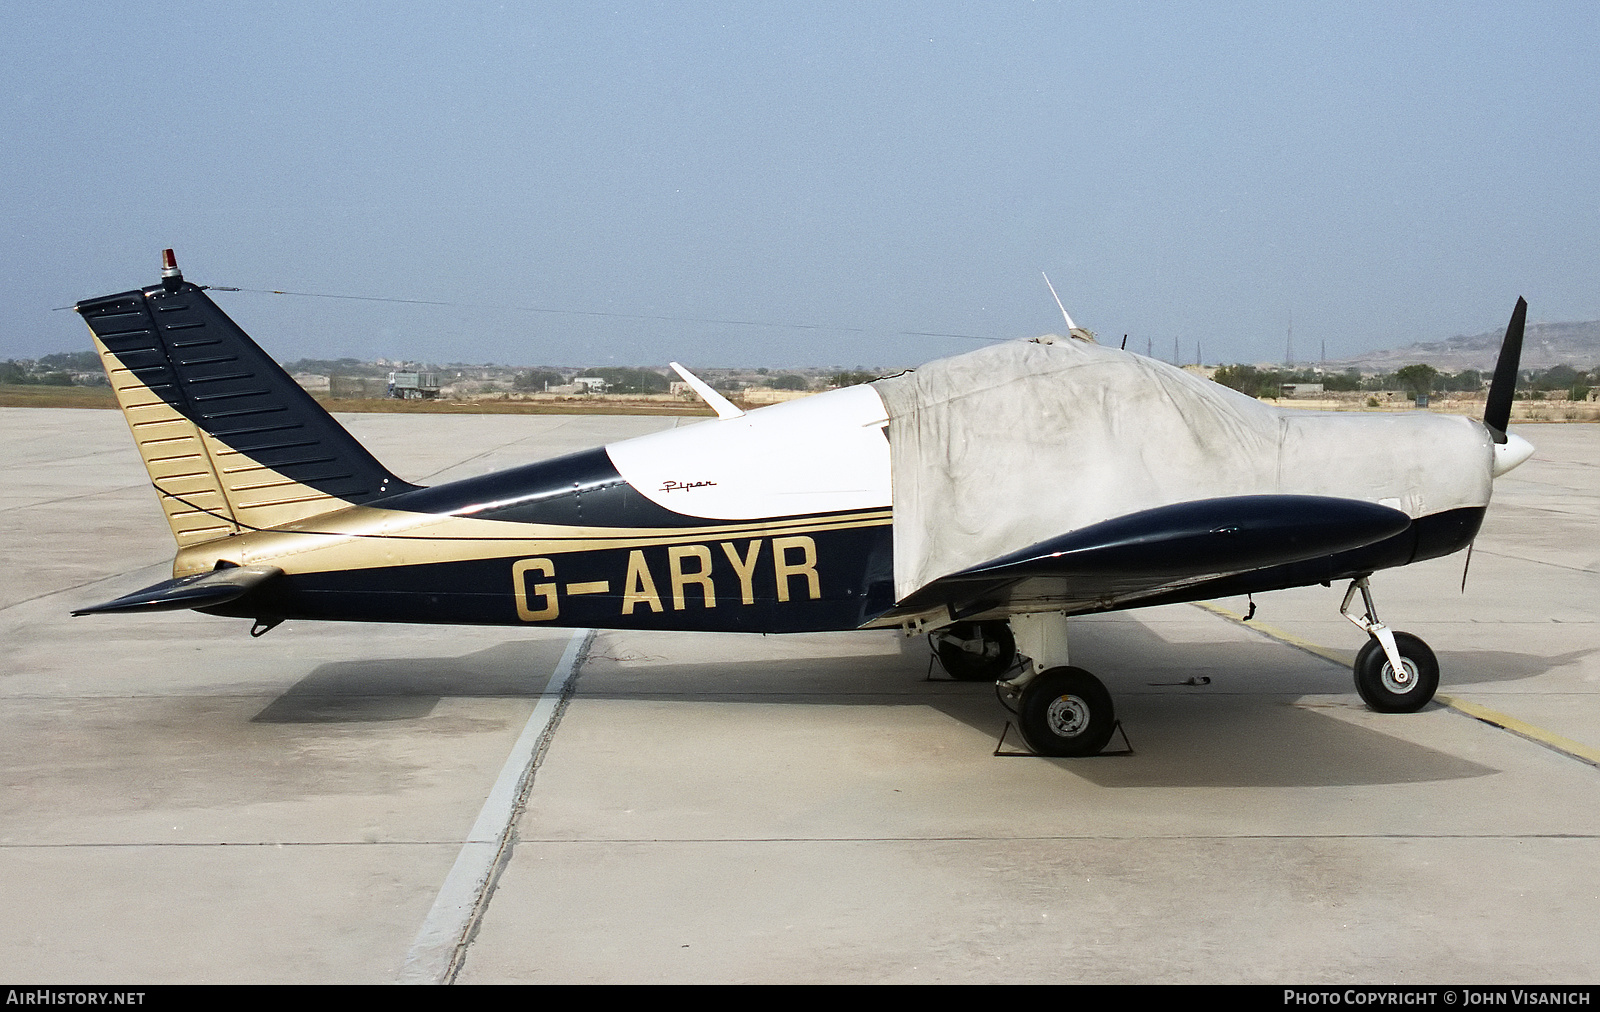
[203,591]
[1145,552]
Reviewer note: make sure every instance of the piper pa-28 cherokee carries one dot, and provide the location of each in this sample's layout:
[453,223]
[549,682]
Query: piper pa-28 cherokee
[981,498]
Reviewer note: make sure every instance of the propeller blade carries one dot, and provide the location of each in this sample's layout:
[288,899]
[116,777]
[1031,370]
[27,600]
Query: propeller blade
[1497,413]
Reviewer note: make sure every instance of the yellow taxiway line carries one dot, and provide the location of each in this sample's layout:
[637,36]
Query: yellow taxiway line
[1549,739]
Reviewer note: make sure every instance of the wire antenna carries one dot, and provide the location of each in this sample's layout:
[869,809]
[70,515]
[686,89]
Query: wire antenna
[495,307]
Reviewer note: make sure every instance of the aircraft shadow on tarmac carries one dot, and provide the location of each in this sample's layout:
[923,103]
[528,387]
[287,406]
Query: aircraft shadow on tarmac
[1180,738]
[408,688]
[1211,736]
[1469,667]
[405,688]
[1113,642]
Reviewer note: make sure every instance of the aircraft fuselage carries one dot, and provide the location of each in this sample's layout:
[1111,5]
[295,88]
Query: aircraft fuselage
[778,521]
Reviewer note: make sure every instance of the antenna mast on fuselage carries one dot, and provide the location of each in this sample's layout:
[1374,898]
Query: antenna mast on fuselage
[1073,330]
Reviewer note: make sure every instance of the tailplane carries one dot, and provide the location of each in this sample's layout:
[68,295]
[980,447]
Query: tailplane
[231,442]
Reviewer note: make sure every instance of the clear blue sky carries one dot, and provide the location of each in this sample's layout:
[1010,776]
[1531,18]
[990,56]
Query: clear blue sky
[1386,173]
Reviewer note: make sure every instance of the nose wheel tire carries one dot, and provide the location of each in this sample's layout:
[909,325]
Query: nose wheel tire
[975,651]
[1066,712]
[1388,691]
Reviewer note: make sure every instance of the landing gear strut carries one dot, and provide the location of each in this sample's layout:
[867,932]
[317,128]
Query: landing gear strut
[1061,710]
[1395,671]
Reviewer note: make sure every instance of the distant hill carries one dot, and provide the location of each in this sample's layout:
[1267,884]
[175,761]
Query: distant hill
[1543,345]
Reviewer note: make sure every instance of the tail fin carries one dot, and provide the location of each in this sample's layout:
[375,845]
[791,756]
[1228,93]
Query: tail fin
[231,442]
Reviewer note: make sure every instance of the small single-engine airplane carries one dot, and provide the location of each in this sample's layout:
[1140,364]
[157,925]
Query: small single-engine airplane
[981,498]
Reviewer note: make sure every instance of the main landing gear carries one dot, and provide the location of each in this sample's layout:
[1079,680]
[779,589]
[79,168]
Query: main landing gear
[1066,711]
[974,651]
[1395,671]
[1061,710]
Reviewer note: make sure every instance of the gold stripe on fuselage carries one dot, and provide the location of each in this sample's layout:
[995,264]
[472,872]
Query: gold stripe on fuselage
[369,537]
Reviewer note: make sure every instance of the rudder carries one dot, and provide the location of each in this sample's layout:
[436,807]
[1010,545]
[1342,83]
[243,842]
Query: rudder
[231,442]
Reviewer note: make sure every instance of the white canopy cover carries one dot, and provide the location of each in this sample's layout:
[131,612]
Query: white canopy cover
[1016,443]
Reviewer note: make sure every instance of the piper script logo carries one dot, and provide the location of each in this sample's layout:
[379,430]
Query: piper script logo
[679,486]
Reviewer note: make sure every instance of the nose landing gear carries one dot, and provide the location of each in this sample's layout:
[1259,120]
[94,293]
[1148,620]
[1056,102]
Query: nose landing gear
[1395,671]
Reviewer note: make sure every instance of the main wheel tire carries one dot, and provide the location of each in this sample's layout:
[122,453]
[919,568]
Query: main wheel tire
[1382,690]
[1066,712]
[989,662]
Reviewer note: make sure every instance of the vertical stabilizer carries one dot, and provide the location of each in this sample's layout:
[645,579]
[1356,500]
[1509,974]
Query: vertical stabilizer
[231,442]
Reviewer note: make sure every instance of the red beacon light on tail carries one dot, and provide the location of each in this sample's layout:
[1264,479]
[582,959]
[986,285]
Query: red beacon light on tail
[171,277]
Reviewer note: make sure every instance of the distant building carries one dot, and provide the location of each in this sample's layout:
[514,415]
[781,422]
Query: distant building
[1301,389]
[769,395]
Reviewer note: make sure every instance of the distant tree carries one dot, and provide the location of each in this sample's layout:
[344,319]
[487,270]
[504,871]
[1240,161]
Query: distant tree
[1417,378]
[340,366]
[1350,379]
[1557,377]
[1247,379]
[1465,381]
[626,380]
[789,381]
[71,361]
[536,379]
[14,372]
[850,379]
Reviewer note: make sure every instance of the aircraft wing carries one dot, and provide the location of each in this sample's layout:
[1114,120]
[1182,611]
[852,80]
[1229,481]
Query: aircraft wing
[1156,551]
